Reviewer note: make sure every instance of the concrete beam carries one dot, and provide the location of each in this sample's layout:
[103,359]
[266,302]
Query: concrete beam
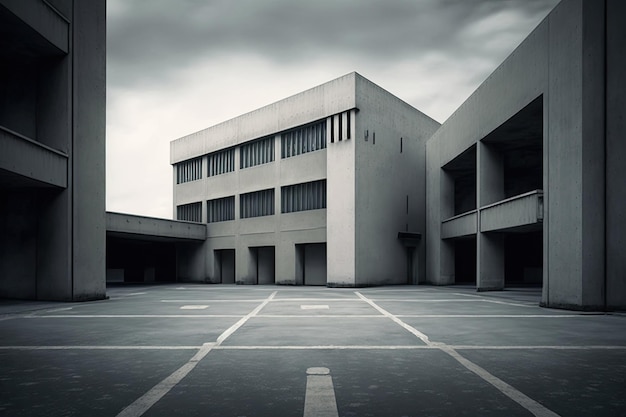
[150,227]
[458,226]
[522,210]
[53,26]
[31,159]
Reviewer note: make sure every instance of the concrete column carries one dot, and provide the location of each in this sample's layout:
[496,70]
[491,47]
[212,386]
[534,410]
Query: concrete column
[616,155]
[191,262]
[489,246]
[446,267]
[446,247]
[245,265]
[576,157]
[286,263]
[490,261]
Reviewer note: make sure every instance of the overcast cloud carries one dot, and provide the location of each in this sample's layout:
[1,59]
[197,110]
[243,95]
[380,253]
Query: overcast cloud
[175,67]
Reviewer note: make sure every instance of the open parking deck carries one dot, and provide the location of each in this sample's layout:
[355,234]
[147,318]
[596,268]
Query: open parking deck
[217,350]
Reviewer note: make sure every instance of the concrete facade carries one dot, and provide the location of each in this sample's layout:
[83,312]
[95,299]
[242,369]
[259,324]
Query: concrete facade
[370,166]
[52,149]
[531,160]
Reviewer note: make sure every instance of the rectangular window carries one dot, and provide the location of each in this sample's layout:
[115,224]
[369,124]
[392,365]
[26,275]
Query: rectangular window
[306,139]
[221,162]
[190,170]
[256,153]
[189,212]
[256,204]
[301,197]
[220,209]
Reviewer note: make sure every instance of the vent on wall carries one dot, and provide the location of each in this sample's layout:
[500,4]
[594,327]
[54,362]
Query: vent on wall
[340,126]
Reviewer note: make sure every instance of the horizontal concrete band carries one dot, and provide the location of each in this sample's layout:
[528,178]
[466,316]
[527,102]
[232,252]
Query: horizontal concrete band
[33,160]
[518,211]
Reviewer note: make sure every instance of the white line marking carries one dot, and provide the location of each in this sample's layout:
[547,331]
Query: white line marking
[100,347]
[54,310]
[131,316]
[318,316]
[143,403]
[326,300]
[520,304]
[496,316]
[314,307]
[194,307]
[418,347]
[528,403]
[136,293]
[214,301]
[319,400]
[454,300]
[315,347]
[399,322]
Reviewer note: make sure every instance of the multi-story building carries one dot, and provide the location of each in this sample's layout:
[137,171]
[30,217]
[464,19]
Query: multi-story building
[52,149]
[526,179]
[325,187]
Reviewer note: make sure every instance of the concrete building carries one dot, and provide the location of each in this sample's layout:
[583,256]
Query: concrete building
[325,187]
[525,181]
[52,149]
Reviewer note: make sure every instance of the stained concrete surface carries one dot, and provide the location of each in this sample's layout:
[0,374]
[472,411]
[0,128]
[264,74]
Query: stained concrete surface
[74,359]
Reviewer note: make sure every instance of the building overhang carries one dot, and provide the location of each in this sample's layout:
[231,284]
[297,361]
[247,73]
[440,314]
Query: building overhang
[410,239]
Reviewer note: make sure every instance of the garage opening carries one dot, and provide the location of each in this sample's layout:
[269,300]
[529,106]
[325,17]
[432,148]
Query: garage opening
[225,265]
[264,258]
[311,263]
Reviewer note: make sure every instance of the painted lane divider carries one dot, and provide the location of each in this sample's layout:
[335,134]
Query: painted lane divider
[143,403]
[319,400]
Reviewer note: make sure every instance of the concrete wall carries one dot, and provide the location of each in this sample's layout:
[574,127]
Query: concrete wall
[562,60]
[390,185]
[61,116]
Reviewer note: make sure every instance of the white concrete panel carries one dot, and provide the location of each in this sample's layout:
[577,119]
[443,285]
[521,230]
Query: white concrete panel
[311,105]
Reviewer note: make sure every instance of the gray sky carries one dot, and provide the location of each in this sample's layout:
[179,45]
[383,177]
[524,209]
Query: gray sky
[178,66]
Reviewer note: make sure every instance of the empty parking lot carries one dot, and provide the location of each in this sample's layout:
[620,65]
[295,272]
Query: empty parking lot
[199,350]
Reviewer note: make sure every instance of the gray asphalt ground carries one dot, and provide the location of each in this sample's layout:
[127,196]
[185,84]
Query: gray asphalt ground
[200,350]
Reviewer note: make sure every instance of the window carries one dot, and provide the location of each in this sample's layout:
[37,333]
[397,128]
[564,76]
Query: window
[221,162]
[190,170]
[190,212]
[306,196]
[256,204]
[220,209]
[306,139]
[256,153]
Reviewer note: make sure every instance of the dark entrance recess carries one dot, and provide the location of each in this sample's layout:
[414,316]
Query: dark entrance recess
[138,261]
[465,260]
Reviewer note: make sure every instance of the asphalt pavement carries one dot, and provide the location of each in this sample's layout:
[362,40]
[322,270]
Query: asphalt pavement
[221,350]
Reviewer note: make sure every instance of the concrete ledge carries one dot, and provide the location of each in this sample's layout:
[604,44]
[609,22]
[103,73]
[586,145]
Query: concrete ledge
[153,228]
[521,210]
[458,226]
[43,18]
[31,159]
